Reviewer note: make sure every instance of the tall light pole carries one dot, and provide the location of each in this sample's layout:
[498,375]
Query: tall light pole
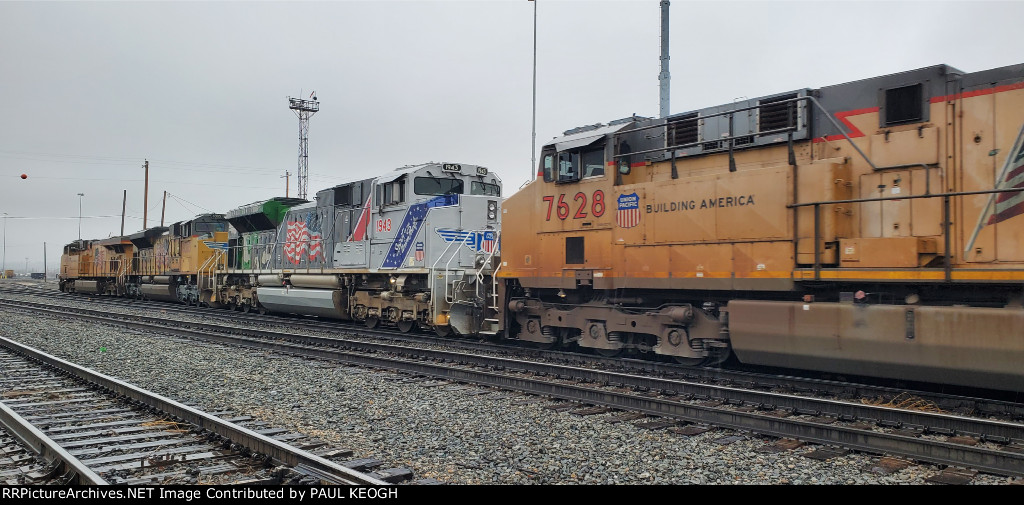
[80,195]
[664,77]
[5,244]
[533,143]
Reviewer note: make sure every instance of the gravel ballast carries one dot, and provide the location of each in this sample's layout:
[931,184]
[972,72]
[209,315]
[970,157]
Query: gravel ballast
[449,432]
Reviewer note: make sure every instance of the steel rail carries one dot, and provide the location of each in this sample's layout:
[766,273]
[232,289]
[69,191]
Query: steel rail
[734,377]
[255,442]
[1001,431]
[74,471]
[989,460]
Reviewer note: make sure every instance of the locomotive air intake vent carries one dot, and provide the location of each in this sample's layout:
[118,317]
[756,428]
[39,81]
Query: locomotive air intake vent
[772,115]
[682,130]
[904,105]
[742,141]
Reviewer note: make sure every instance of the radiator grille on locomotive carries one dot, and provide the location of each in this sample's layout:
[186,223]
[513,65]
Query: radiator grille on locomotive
[682,130]
[773,115]
[903,105]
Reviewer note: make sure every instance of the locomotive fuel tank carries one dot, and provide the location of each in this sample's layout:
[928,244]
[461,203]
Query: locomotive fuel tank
[316,302]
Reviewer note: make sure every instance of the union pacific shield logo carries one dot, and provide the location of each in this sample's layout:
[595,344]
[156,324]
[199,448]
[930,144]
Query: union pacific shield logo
[628,213]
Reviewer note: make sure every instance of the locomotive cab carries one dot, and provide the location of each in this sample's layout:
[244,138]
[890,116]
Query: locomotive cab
[744,229]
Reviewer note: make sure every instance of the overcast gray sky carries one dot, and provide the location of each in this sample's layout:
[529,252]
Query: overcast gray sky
[89,90]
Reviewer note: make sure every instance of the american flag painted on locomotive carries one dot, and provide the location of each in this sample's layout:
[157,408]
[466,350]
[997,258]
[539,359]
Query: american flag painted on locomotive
[304,235]
[1003,206]
[627,214]
[313,226]
[1011,204]
[295,241]
[419,251]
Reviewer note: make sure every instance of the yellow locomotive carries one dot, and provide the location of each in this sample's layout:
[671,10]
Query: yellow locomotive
[161,263]
[869,228]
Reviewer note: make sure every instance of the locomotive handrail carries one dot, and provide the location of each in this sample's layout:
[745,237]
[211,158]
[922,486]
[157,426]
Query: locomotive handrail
[729,113]
[908,197]
[433,268]
[947,238]
[447,267]
[487,260]
[732,137]
[209,265]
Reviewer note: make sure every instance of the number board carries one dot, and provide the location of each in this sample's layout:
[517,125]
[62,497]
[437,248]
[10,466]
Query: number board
[451,167]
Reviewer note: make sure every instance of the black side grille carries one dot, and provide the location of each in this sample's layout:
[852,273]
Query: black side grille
[711,146]
[682,130]
[773,115]
[742,141]
[903,105]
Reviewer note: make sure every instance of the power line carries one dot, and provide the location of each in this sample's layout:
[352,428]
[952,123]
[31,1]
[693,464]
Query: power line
[190,203]
[123,161]
[31,218]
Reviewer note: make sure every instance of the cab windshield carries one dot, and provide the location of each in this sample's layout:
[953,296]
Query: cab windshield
[438,186]
[483,188]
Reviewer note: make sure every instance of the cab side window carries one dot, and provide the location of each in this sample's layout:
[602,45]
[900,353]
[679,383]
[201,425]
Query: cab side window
[568,167]
[593,163]
[548,167]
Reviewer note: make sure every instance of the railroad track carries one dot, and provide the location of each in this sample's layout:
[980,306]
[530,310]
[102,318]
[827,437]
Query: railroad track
[343,334]
[68,424]
[991,446]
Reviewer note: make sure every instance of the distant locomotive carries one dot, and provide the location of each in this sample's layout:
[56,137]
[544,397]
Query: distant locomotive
[869,228]
[414,247]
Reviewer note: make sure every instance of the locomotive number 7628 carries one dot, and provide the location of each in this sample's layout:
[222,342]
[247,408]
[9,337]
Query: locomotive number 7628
[562,209]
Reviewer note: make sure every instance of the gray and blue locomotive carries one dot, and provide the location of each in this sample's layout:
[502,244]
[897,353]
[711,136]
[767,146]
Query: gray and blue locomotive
[416,247]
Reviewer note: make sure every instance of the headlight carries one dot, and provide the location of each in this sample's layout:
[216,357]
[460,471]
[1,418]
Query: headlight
[492,206]
[492,215]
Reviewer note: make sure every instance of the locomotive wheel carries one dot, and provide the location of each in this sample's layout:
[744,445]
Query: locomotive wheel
[443,331]
[262,310]
[406,326]
[246,308]
[232,306]
[372,322]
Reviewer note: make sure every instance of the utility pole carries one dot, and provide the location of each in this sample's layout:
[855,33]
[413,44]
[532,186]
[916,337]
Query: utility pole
[80,195]
[4,267]
[44,262]
[124,206]
[286,176]
[163,210]
[145,198]
[664,78]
